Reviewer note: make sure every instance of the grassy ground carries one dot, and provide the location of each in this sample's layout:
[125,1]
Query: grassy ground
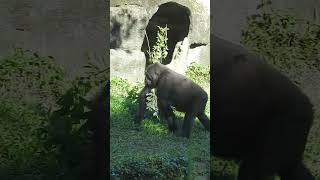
[150,151]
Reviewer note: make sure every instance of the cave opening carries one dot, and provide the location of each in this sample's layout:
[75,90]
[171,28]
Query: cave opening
[177,19]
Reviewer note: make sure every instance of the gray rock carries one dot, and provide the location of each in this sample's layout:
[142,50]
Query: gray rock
[183,56]
[66,30]
[200,55]
[180,62]
[199,31]
[129,20]
[127,27]
[127,64]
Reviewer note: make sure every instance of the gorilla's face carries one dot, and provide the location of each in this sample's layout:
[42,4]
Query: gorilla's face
[148,80]
[152,74]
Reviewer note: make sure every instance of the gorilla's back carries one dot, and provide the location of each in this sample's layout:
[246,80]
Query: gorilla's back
[247,93]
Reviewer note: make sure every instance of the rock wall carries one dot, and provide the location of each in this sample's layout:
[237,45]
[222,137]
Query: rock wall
[66,30]
[130,21]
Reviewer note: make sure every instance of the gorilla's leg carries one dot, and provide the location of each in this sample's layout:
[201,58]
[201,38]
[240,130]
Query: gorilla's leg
[196,109]
[187,124]
[171,120]
[204,120]
[251,170]
[142,104]
[296,172]
[244,171]
[166,112]
[201,113]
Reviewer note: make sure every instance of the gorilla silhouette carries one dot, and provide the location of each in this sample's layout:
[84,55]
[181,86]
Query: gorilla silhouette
[98,118]
[260,117]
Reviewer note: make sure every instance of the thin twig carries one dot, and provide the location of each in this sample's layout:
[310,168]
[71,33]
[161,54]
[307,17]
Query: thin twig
[147,41]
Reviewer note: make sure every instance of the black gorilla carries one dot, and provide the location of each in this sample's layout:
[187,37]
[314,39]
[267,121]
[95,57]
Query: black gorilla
[98,118]
[260,117]
[173,89]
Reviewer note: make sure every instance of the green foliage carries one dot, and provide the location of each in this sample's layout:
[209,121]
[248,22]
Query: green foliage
[152,105]
[151,168]
[223,169]
[29,82]
[22,148]
[121,87]
[36,142]
[283,40]
[199,73]
[160,49]
[158,54]
[152,127]
[149,151]
[28,77]
[69,131]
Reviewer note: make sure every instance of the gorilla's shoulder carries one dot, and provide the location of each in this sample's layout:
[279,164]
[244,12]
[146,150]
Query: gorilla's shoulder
[223,52]
[226,54]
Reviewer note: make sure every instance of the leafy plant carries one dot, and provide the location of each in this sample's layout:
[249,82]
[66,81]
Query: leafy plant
[160,49]
[199,73]
[158,54]
[152,104]
[283,40]
[27,77]
[69,130]
[23,152]
[30,85]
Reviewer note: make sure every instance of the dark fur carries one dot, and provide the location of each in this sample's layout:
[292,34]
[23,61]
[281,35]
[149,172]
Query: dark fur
[260,117]
[98,118]
[173,89]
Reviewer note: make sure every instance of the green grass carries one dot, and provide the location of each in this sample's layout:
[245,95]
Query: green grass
[149,151]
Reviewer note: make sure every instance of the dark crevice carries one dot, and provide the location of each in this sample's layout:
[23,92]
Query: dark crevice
[177,18]
[128,4]
[194,45]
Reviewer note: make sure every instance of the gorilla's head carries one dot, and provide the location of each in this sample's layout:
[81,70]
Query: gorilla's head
[153,73]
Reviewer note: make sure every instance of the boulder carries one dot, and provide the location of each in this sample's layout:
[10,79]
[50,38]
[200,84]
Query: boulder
[129,65]
[127,27]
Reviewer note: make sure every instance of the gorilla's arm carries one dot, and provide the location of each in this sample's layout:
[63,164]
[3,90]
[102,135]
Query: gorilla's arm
[142,104]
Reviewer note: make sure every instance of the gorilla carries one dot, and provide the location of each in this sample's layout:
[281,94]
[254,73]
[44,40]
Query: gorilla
[261,119]
[173,89]
[98,117]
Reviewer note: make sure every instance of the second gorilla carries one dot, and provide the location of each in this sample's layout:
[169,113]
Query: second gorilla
[174,90]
